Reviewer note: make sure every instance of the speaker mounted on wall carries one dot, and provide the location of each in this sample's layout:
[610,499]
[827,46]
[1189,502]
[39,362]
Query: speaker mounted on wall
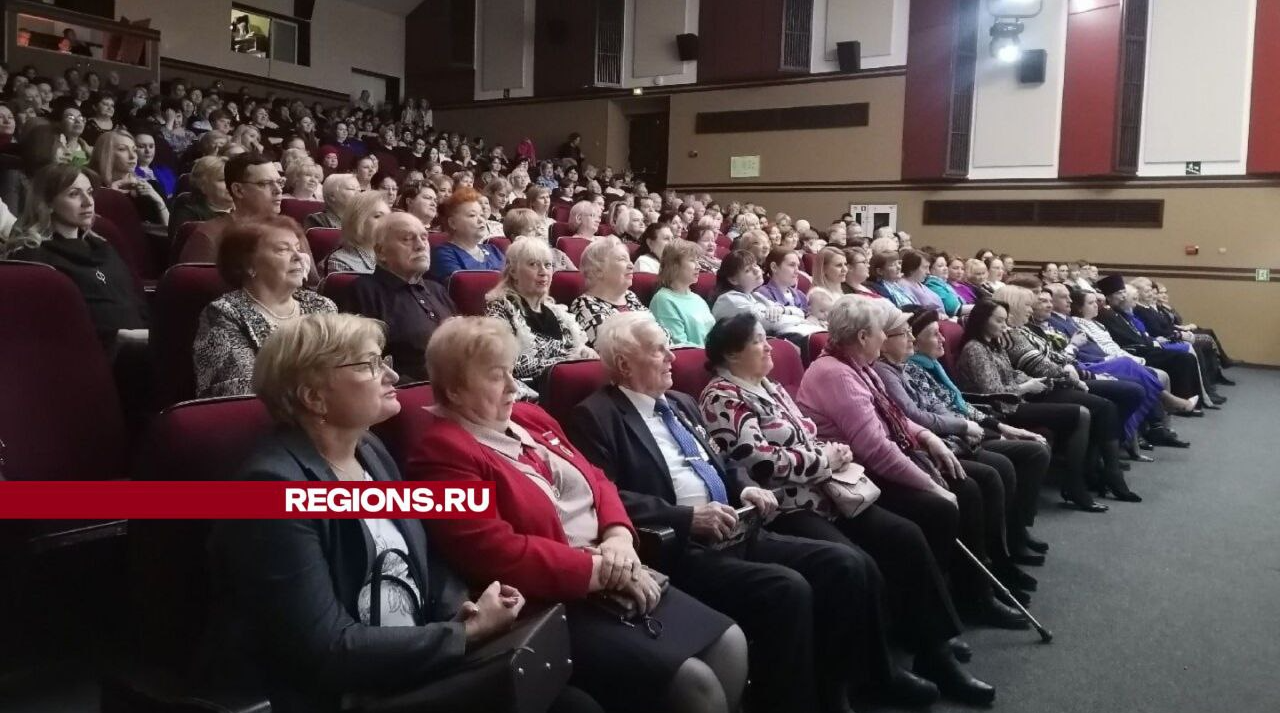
[849,54]
[1032,66]
[687,47]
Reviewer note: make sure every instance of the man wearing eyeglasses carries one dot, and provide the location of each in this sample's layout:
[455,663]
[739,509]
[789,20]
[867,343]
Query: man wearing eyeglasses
[256,190]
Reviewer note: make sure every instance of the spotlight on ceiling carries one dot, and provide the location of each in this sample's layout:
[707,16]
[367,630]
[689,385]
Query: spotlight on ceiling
[1005,43]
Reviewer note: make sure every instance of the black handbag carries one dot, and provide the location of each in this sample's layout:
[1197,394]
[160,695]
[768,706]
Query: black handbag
[522,671]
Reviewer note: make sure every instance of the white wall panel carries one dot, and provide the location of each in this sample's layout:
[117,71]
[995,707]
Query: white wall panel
[504,49]
[649,55]
[880,25]
[1016,127]
[1199,74]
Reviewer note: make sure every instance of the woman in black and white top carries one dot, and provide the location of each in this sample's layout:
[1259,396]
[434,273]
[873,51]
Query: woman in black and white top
[319,633]
[607,271]
[546,332]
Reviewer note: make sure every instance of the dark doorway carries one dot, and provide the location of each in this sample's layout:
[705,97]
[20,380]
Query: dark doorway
[648,149]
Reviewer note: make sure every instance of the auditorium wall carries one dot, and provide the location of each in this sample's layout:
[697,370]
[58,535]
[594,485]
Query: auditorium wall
[343,35]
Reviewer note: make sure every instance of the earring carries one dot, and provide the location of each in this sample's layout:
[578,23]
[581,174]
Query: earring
[253,273]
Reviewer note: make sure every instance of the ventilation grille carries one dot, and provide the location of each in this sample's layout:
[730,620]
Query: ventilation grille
[610,19]
[1133,70]
[1047,213]
[797,34]
[962,80]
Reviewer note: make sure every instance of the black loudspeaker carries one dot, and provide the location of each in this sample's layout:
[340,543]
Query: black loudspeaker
[1031,67]
[687,47]
[850,56]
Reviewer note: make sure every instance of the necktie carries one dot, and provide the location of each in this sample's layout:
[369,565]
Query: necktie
[689,449]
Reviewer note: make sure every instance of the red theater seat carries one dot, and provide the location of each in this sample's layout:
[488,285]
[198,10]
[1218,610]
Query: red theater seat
[323,241]
[182,294]
[501,244]
[399,432]
[568,383]
[572,247]
[688,373]
[436,238]
[118,208]
[644,284]
[337,287]
[952,334]
[817,342]
[133,254]
[468,288]
[560,211]
[807,261]
[803,283]
[566,286]
[788,369]
[299,209]
[61,417]
[705,285]
[724,242]
[180,238]
[559,230]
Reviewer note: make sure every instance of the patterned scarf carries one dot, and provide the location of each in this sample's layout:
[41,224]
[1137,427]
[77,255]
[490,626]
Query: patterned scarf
[894,420]
[934,368]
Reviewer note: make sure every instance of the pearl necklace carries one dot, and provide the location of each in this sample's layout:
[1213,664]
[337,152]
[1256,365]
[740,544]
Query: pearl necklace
[271,313]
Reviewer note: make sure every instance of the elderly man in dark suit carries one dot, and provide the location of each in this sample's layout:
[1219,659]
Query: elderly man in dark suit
[811,609]
[1132,336]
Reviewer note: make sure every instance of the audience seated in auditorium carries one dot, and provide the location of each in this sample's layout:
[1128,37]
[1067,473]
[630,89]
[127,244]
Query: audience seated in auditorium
[56,228]
[810,608]
[607,272]
[683,313]
[754,421]
[462,218]
[1165,306]
[653,241]
[562,534]
[545,331]
[115,156]
[736,285]
[264,262]
[317,636]
[398,294]
[524,223]
[782,277]
[359,225]
[1162,326]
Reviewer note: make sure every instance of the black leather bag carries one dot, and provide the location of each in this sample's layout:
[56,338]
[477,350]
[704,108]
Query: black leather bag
[522,671]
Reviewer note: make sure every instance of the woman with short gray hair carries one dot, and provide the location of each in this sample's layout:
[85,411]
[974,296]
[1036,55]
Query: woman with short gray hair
[607,271]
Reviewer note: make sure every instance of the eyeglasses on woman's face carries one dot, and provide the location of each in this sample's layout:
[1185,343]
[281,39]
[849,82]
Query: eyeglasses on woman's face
[375,365]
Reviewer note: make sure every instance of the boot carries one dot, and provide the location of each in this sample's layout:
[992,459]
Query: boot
[1113,474]
[938,665]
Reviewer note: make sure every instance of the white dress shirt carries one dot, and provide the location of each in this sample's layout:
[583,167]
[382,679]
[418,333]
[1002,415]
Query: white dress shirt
[690,490]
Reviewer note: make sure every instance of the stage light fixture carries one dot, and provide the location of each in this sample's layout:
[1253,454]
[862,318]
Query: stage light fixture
[1005,43]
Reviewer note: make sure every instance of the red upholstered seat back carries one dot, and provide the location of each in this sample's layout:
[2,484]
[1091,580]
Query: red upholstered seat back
[560,211]
[644,284]
[952,334]
[788,369]
[323,241]
[605,229]
[568,383]
[573,247]
[299,209]
[60,416]
[118,208]
[468,288]
[337,287]
[817,342]
[566,286]
[688,373]
[559,230]
[180,238]
[807,261]
[721,251]
[705,285]
[436,238]
[206,439]
[803,283]
[399,432]
[501,244]
[133,254]
[182,294]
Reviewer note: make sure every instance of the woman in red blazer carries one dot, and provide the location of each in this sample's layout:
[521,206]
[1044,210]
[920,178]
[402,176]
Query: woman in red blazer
[561,534]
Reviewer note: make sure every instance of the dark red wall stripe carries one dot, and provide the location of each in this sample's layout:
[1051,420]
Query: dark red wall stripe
[1264,112]
[739,39]
[930,70]
[1091,88]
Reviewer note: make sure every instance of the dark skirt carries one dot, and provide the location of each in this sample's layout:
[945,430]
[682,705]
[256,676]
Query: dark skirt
[625,668]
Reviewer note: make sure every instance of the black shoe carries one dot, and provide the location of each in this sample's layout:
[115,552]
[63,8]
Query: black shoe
[1024,598]
[1035,545]
[1210,407]
[905,689]
[960,650]
[1139,458]
[1194,413]
[1014,578]
[1145,444]
[952,680]
[1166,437]
[1127,496]
[1027,558]
[1224,381]
[1084,507]
[989,611]
[1218,399]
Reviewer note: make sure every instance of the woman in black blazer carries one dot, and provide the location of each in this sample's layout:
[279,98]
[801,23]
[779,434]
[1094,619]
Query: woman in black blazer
[293,597]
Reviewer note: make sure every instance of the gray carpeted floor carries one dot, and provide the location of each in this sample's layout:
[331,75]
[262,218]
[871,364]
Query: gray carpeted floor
[1171,604]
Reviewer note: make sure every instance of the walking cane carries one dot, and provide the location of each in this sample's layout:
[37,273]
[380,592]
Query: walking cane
[1045,635]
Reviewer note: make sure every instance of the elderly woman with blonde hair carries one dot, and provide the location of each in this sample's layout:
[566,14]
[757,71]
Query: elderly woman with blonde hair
[359,221]
[561,533]
[325,382]
[547,334]
[302,179]
[584,218]
[525,223]
[607,271]
[336,191]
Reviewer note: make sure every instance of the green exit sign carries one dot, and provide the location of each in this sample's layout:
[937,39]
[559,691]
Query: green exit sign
[1262,274]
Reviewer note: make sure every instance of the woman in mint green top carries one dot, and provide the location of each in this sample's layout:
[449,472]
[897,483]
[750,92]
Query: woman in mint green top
[680,310]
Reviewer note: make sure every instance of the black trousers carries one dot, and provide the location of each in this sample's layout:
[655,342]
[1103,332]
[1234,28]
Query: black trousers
[811,610]
[1069,425]
[1030,462]
[923,614]
[1184,374]
[1126,396]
